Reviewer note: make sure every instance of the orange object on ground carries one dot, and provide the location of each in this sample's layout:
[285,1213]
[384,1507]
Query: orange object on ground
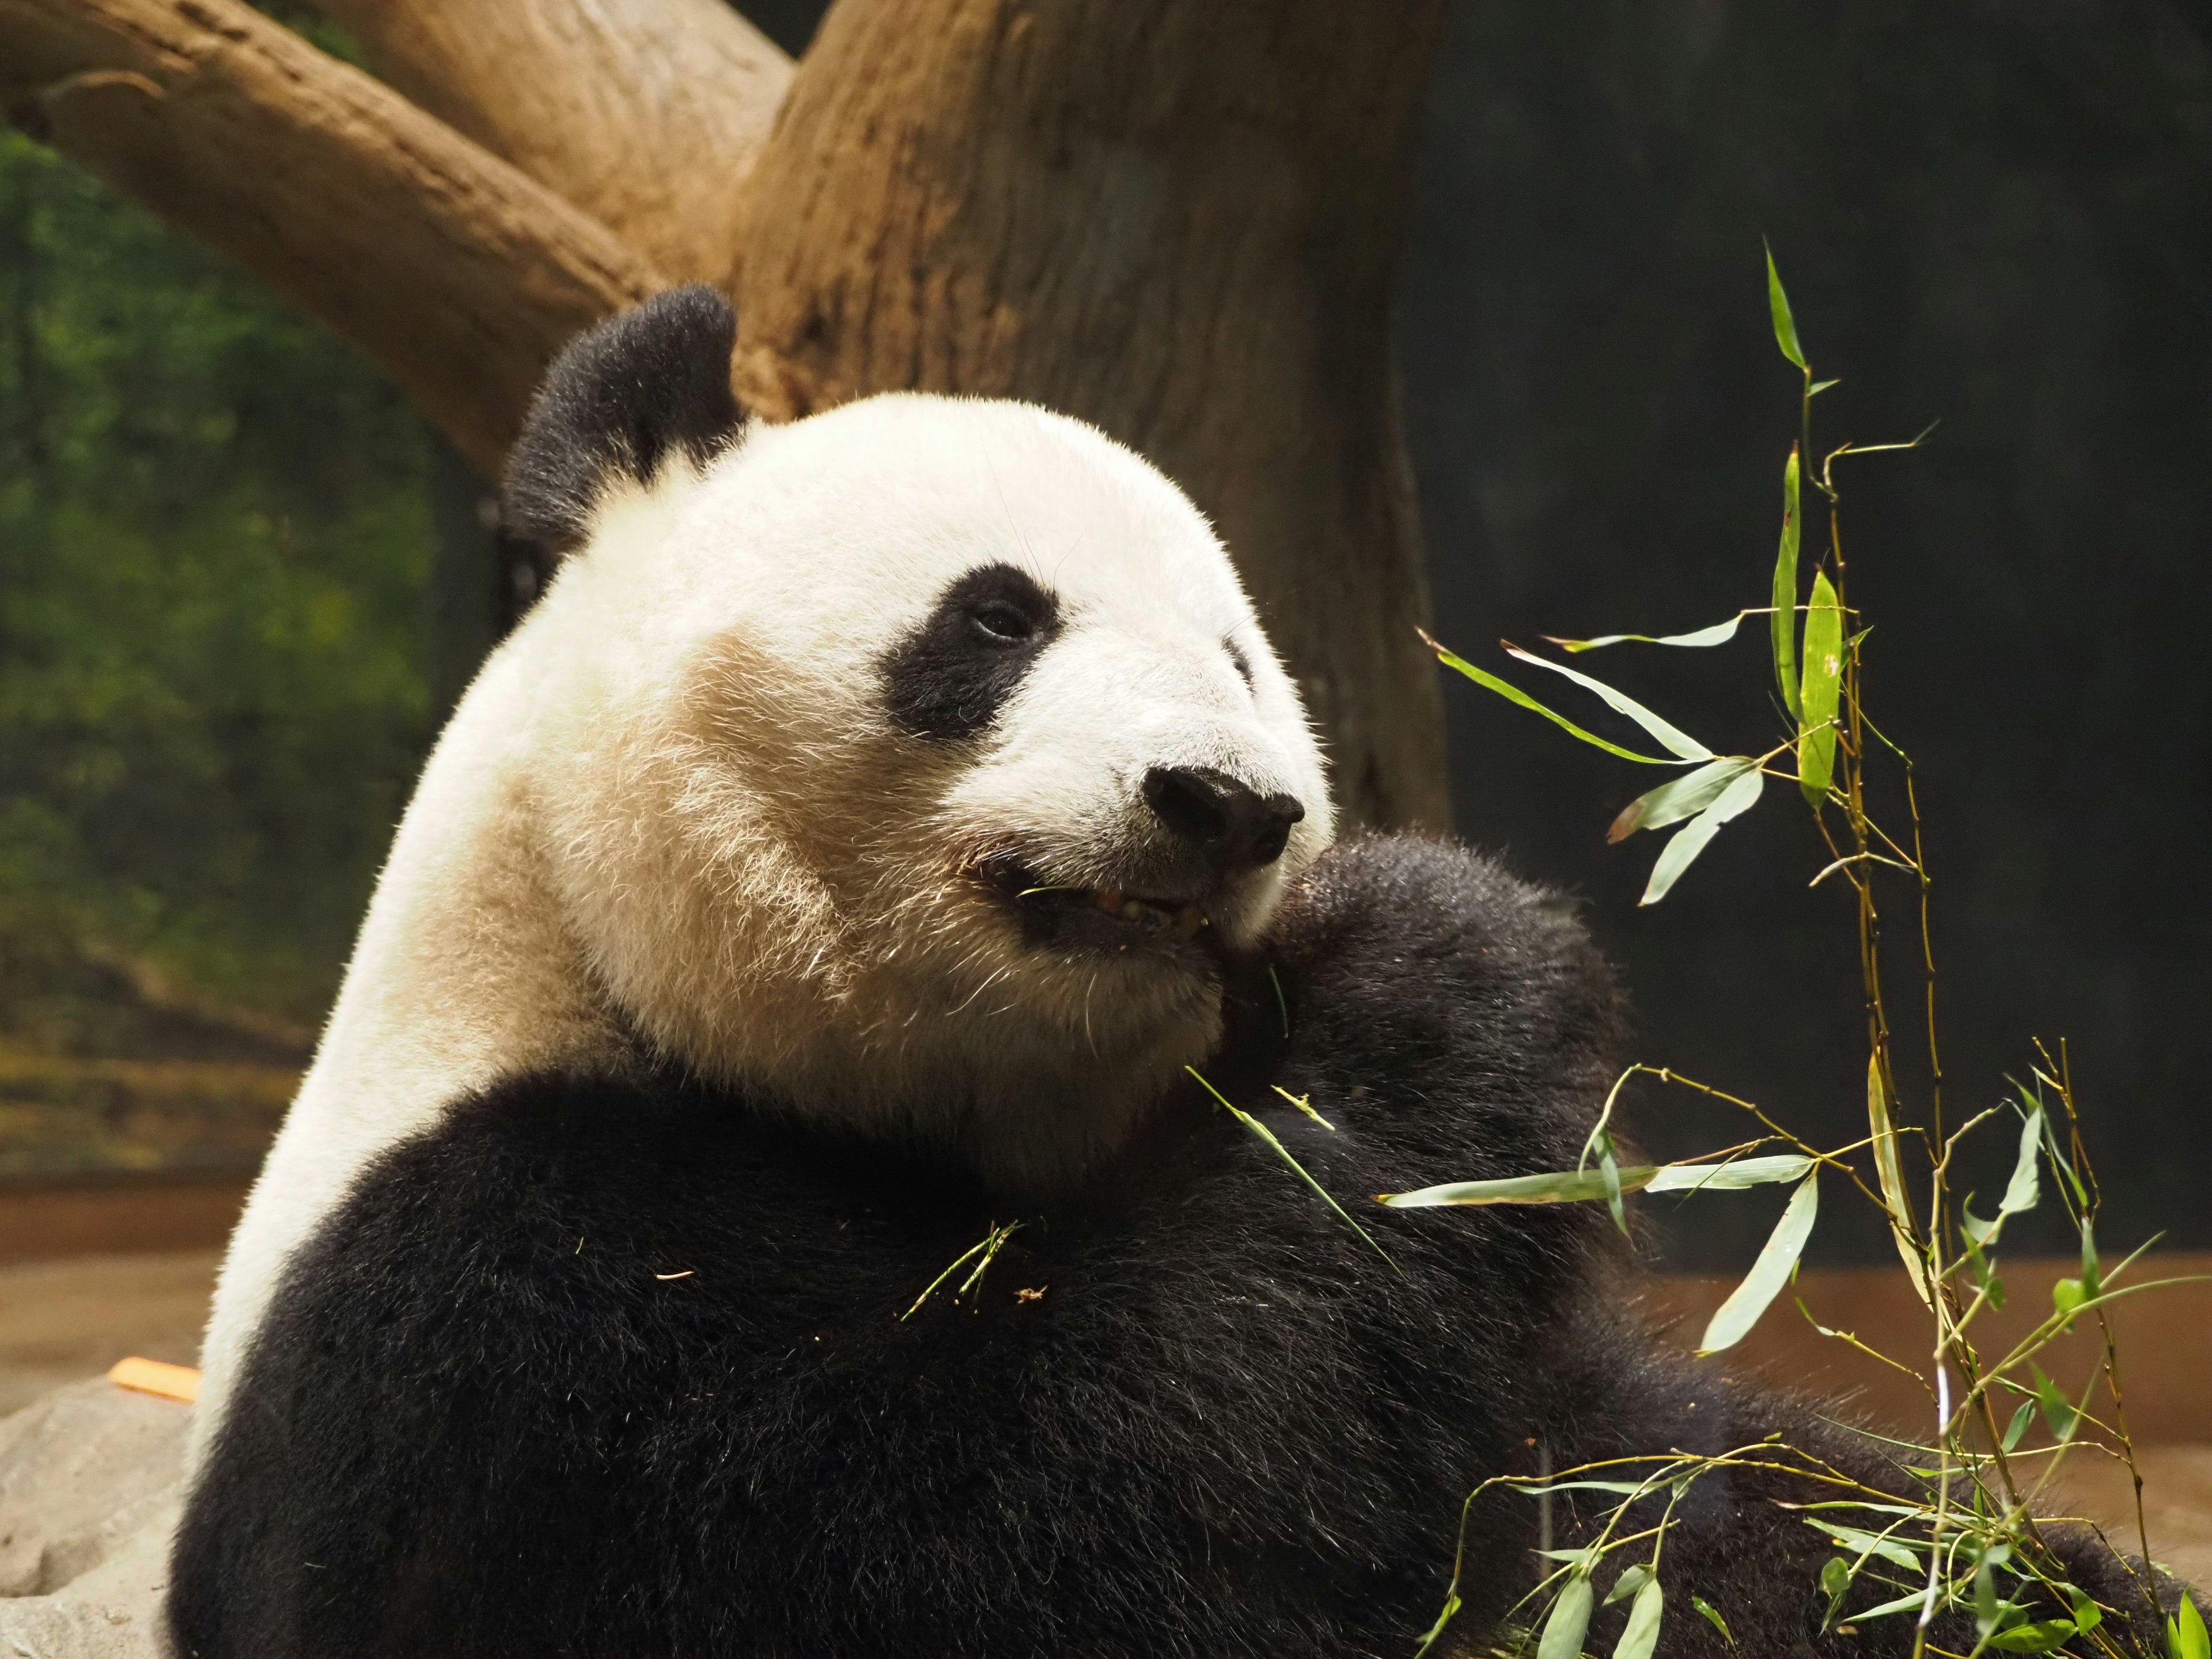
[152,1377]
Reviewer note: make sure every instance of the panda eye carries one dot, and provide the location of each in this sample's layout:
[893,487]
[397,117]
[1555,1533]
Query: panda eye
[1003,623]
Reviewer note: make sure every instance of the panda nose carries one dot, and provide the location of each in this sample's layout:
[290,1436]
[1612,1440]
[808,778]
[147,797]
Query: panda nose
[1235,826]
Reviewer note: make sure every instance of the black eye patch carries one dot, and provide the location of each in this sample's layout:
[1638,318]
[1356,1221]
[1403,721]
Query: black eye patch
[949,677]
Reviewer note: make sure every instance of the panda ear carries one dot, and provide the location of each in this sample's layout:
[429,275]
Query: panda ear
[622,400]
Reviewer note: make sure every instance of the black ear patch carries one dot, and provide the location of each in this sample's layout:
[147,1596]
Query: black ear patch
[949,677]
[618,399]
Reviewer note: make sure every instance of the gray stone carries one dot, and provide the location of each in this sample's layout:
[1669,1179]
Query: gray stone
[90,1488]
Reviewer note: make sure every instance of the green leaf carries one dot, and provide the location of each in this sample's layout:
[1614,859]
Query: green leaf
[1451,1606]
[2185,1637]
[1670,738]
[1778,303]
[1608,1168]
[1783,621]
[1513,693]
[2066,1296]
[2057,1410]
[1631,1580]
[1778,1260]
[1727,1177]
[2088,1615]
[1912,1604]
[1570,1619]
[1836,1579]
[1988,1610]
[2092,1279]
[1719,633]
[1976,1232]
[1824,670]
[1890,1171]
[1868,1543]
[1642,1634]
[2033,1639]
[1684,797]
[1580,1560]
[1819,386]
[1739,798]
[1564,1187]
[1586,1186]
[1712,1616]
[2024,1190]
[2018,1427]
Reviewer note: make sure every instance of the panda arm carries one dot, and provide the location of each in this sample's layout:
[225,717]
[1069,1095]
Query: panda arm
[1460,1017]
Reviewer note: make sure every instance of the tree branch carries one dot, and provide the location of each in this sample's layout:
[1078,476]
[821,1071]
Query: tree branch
[458,275]
[1178,219]
[646,114]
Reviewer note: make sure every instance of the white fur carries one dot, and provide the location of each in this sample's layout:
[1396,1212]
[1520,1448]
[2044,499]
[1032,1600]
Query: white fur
[673,804]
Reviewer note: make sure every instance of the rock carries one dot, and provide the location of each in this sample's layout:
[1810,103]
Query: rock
[90,1488]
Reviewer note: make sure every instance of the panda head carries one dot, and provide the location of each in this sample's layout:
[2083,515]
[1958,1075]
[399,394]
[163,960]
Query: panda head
[915,766]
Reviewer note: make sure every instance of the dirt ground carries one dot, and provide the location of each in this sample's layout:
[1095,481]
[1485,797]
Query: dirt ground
[64,1319]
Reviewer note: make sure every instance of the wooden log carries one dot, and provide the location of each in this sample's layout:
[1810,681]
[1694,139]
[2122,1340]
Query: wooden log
[648,114]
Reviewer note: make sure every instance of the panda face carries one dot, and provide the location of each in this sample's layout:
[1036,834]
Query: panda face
[916,765]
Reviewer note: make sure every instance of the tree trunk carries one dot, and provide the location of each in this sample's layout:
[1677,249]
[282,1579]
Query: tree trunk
[1177,221]
[1176,218]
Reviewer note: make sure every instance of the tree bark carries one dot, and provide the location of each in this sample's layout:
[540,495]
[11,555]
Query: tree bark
[1176,218]
[459,276]
[1178,221]
[648,114]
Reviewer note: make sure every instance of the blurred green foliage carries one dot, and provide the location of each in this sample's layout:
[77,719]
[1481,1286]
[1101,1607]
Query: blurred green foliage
[215,543]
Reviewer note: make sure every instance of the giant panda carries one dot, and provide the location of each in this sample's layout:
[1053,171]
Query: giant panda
[766,1187]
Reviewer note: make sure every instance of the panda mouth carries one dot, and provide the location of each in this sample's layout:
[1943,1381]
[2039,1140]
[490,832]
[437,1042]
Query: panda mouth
[1113,917]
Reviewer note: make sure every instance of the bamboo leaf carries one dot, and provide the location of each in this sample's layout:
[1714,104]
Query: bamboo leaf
[1608,1168]
[1727,1177]
[1565,1187]
[1670,738]
[2185,1636]
[1631,1580]
[1868,1543]
[2018,1427]
[1712,1616]
[1783,621]
[1824,672]
[1513,693]
[1684,797]
[1719,633]
[2057,1410]
[1569,1620]
[2024,1188]
[1778,1260]
[2088,1615]
[1786,324]
[1739,798]
[2033,1639]
[1641,1633]
[2066,1296]
[1890,1173]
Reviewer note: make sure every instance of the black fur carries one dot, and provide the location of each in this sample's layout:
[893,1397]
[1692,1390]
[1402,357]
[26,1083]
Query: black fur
[619,398]
[487,1416]
[951,674]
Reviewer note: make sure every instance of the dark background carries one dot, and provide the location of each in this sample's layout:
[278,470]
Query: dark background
[240,582]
